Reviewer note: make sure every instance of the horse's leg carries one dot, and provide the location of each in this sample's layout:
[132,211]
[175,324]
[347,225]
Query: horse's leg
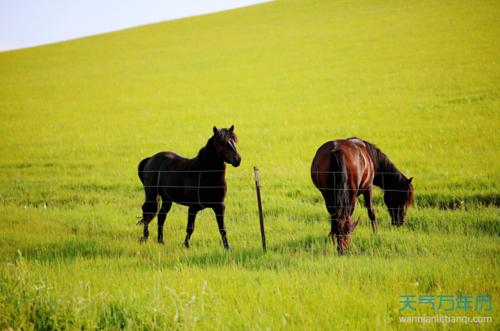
[352,203]
[336,235]
[162,215]
[368,196]
[149,210]
[341,224]
[192,211]
[219,215]
[346,226]
[333,210]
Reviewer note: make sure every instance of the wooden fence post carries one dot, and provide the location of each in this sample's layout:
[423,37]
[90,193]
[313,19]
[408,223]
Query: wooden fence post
[261,217]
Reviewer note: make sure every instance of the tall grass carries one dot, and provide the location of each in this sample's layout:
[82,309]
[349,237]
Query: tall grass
[418,78]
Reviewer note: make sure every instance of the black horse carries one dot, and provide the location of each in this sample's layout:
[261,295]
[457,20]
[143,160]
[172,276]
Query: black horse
[198,183]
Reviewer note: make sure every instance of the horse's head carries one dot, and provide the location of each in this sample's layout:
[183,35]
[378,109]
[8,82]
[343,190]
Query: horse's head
[346,228]
[225,145]
[398,200]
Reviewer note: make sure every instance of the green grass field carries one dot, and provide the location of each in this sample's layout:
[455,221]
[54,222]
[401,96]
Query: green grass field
[421,79]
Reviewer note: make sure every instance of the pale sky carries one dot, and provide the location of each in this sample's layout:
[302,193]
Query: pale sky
[26,23]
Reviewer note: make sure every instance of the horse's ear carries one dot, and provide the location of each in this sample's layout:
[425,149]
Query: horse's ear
[215,130]
[409,180]
[231,128]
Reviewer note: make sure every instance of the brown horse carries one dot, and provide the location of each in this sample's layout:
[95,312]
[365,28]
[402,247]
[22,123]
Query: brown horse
[344,169]
[198,183]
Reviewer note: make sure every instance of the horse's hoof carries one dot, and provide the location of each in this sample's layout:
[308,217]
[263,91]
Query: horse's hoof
[227,247]
[161,242]
[142,240]
[186,244]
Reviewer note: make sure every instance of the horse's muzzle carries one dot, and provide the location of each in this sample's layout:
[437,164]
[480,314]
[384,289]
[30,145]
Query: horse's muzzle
[236,161]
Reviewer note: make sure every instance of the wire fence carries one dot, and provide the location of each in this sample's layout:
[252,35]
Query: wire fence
[181,187]
[241,185]
[281,191]
[282,187]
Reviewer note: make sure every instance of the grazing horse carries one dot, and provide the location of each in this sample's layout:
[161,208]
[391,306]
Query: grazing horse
[198,183]
[344,169]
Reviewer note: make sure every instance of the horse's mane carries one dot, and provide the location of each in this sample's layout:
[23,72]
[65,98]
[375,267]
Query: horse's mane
[382,163]
[206,153]
[388,170]
[222,134]
[203,150]
[411,195]
[380,160]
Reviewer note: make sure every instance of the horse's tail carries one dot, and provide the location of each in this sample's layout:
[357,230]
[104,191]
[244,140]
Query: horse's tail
[140,170]
[340,184]
[141,173]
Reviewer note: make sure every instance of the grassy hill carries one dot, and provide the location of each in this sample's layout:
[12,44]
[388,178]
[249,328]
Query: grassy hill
[421,79]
